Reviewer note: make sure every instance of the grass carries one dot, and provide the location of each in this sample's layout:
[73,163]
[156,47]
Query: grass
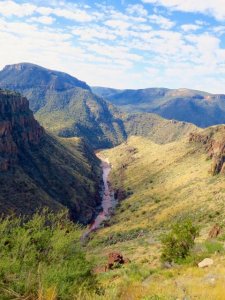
[166,182]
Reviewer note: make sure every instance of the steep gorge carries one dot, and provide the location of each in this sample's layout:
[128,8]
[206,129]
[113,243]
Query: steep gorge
[38,169]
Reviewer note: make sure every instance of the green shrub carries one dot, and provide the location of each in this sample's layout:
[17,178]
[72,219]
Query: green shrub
[42,255]
[179,241]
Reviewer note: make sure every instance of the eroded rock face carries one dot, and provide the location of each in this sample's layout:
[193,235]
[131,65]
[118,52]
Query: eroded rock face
[18,128]
[213,141]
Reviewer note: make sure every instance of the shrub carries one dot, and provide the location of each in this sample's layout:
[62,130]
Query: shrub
[42,255]
[179,241]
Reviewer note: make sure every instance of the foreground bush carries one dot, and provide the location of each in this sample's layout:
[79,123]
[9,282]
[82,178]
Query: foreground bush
[179,241]
[42,259]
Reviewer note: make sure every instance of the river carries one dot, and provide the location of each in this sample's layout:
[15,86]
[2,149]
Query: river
[108,199]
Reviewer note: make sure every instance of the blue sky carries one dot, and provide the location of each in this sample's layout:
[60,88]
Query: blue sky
[120,43]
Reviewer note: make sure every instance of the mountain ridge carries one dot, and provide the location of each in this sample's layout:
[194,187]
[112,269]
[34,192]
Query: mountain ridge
[200,108]
[76,111]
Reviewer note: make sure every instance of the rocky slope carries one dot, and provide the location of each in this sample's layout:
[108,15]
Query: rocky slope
[197,107]
[37,170]
[213,141]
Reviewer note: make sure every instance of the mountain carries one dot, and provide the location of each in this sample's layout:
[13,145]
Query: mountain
[37,83]
[64,104]
[37,169]
[200,108]
[68,108]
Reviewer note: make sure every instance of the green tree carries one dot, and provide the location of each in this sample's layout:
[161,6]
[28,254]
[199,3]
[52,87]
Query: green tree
[179,241]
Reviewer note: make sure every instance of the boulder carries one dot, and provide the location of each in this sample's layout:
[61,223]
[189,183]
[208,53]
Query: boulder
[116,258]
[215,231]
[207,262]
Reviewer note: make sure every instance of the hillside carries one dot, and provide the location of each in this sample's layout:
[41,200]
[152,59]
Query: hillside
[158,185]
[39,170]
[64,104]
[156,128]
[197,107]
[67,107]
[173,179]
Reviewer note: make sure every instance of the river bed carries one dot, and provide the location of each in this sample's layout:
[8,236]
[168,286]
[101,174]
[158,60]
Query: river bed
[109,202]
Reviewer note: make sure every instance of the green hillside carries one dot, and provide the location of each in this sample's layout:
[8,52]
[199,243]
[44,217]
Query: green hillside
[159,185]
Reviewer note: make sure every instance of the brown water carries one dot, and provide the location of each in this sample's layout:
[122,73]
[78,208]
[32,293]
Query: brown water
[108,200]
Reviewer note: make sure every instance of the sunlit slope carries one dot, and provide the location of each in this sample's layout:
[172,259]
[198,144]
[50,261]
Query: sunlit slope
[162,182]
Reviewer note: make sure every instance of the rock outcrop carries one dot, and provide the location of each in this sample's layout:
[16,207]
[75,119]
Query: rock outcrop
[18,128]
[215,231]
[213,141]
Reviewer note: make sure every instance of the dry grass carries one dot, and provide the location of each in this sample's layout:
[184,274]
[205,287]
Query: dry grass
[164,183]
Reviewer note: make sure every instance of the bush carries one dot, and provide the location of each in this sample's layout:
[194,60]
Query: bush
[179,241]
[42,256]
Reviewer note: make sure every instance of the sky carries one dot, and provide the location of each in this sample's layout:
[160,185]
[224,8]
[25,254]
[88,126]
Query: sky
[120,43]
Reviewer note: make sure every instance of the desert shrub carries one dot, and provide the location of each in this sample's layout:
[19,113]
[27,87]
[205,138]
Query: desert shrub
[179,241]
[42,255]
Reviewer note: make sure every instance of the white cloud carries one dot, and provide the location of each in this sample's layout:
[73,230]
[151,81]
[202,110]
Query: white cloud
[46,20]
[163,22]
[118,24]
[215,8]
[77,15]
[94,32]
[137,9]
[11,8]
[190,27]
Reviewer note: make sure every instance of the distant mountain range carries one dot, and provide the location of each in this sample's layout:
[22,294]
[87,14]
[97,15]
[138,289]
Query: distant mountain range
[67,107]
[200,108]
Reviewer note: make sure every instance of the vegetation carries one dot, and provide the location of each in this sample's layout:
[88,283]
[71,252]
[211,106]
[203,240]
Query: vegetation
[179,241]
[37,179]
[42,258]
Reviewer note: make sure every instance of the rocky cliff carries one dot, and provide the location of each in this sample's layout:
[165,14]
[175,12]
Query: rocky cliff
[213,141]
[18,128]
[38,170]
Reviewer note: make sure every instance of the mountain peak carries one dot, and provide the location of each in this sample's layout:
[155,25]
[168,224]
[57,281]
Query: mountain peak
[30,79]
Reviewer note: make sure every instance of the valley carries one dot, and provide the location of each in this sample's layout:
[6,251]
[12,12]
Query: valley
[117,202]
